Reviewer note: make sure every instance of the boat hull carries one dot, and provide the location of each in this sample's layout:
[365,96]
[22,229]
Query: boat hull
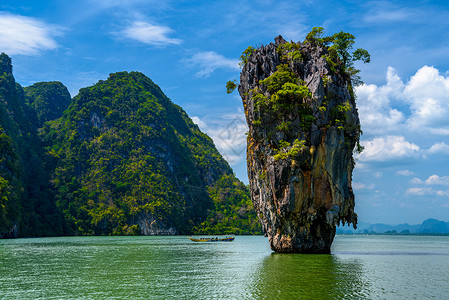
[211,240]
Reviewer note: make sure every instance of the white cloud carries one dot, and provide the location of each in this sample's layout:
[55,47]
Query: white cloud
[374,107]
[361,186]
[382,12]
[26,36]
[432,180]
[231,139]
[388,148]
[416,180]
[443,193]
[426,94]
[382,17]
[416,191]
[439,148]
[405,172]
[420,191]
[437,180]
[209,61]
[150,34]
[385,12]
[200,123]
[228,131]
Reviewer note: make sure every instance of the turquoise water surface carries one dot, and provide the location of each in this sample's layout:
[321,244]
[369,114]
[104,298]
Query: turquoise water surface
[360,267]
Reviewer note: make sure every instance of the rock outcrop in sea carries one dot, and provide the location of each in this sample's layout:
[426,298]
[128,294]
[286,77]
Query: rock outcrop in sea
[303,128]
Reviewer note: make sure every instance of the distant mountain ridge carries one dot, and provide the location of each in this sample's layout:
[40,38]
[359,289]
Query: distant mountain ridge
[429,226]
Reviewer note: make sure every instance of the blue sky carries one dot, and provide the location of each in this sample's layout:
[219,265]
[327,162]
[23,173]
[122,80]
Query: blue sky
[191,48]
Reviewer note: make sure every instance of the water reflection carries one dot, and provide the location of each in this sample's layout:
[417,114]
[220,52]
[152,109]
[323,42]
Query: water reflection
[298,276]
[361,267]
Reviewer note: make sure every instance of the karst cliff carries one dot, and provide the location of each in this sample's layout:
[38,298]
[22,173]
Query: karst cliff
[303,129]
[120,158]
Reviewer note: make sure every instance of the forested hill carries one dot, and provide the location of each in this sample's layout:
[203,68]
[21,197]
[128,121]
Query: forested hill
[124,160]
[127,160]
[48,100]
[26,201]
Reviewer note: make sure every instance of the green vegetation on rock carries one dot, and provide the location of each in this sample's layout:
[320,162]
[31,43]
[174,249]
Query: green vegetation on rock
[245,55]
[286,150]
[26,201]
[121,159]
[278,95]
[126,155]
[47,99]
[231,86]
[233,213]
[339,53]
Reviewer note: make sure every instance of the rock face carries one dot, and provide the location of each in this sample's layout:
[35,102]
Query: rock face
[303,127]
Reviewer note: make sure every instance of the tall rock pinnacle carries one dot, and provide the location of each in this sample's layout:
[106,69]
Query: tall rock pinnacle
[303,128]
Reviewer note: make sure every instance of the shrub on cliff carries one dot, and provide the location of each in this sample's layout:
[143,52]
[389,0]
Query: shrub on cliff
[340,51]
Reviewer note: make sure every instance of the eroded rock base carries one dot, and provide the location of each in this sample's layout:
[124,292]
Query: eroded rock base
[314,239]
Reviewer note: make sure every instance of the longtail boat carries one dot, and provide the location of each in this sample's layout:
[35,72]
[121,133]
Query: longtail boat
[227,239]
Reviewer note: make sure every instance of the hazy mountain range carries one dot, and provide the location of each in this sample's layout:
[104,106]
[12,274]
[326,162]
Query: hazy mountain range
[429,226]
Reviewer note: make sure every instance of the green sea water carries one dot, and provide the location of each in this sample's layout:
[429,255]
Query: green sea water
[360,267]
